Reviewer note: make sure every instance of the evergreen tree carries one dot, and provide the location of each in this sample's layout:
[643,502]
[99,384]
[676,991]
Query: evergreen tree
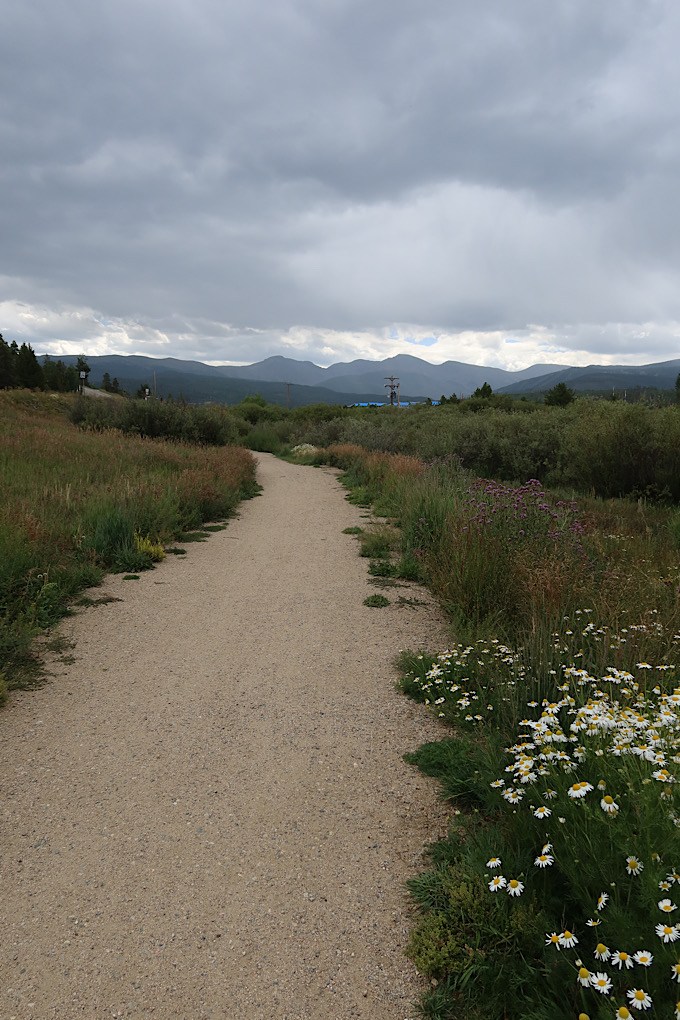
[72,379]
[56,375]
[50,373]
[484,391]
[7,366]
[28,370]
[559,396]
[115,386]
[106,382]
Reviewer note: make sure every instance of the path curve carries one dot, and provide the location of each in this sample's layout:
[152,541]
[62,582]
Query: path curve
[206,814]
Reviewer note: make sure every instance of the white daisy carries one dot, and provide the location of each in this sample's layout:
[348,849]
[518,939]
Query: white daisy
[639,998]
[633,866]
[667,932]
[601,983]
[621,960]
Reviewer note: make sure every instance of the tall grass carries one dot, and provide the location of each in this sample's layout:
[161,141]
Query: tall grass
[561,763]
[511,561]
[78,502]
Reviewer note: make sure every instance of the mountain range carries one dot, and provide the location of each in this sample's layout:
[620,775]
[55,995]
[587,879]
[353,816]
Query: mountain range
[281,380]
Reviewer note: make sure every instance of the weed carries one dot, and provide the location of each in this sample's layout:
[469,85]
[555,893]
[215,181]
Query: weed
[409,567]
[376,601]
[358,496]
[353,531]
[195,536]
[378,542]
[176,551]
[381,568]
[131,577]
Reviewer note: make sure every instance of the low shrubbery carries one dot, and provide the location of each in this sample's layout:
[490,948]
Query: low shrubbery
[206,425]
[609,449]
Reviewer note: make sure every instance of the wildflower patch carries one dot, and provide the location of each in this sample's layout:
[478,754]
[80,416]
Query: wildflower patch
[575,798]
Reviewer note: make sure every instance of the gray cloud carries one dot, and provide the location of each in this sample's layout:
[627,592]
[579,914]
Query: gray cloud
[329,169]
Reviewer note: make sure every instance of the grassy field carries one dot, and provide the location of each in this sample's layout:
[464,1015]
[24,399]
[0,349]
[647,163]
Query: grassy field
[79,502]
[553,893]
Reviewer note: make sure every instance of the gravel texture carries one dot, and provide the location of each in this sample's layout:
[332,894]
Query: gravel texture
[207,814]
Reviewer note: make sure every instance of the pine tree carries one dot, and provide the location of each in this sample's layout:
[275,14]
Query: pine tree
[7,372]
[28,371]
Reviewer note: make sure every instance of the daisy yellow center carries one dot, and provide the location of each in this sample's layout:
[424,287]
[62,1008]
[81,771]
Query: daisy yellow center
[667,930]
[623,1014]
[513,883]
[623,956]
[608,799]
[556,938]
[639,994]
[667,907]
[601,948]
[583,973]
[567,934]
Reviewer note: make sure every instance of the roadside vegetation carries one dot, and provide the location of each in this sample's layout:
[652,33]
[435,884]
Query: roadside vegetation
[79,502]
[556,890]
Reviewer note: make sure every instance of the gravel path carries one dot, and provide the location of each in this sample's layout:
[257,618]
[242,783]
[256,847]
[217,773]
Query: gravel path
[206,814]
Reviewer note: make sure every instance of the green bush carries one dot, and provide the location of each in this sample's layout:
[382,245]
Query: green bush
[263,440]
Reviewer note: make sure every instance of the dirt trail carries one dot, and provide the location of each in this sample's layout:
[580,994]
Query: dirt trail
[207,813]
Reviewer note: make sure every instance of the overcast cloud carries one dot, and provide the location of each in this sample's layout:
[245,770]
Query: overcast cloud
[327,179]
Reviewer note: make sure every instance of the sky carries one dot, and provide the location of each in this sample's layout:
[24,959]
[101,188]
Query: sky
[491,182]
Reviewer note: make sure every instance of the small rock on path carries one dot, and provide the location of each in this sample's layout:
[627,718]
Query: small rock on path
[207,815]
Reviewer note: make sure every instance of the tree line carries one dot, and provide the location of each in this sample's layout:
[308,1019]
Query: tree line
[20,369]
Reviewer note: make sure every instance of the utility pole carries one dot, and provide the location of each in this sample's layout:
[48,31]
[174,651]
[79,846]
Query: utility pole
[393,386]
